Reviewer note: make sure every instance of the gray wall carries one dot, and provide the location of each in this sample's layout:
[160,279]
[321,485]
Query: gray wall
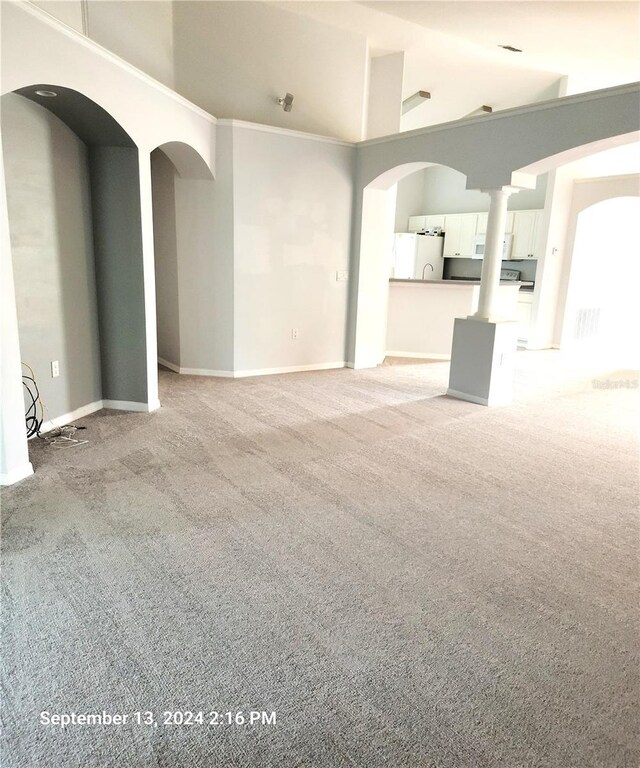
[117,234]
[163,176]
[409,199]
[440,189]
[51,238]
[193,235]
[292,227]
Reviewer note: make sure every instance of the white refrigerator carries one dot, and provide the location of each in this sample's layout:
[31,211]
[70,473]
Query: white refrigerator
[418,257]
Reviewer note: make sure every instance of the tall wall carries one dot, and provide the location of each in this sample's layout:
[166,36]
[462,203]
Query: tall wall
[235,58]
[292,214]
[139,31]
[384,109]
[117,236]
[48,193]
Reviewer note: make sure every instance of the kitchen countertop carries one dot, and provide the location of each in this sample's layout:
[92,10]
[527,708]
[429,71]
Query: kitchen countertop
[450,282]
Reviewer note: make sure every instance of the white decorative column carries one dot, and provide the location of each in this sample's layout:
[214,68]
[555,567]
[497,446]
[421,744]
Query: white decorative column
[484,347]
[493,248]
[149,273]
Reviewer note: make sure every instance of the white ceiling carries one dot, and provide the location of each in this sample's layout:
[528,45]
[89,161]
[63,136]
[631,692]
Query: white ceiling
[452,48]
[599,40]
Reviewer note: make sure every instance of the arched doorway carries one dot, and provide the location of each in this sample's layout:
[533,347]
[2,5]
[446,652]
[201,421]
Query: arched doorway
[184,221]
[73,189]
[602,315]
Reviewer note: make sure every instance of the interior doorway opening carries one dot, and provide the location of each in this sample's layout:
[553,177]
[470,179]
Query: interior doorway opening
[73,198]
[602,315]
[183,204]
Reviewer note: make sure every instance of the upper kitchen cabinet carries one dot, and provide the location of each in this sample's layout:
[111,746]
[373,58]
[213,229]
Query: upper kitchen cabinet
[527,235]
[481,226]
[459,234]
[420,223]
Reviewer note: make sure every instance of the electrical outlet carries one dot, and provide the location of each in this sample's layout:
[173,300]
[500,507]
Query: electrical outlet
[294,333]
[55,369]
[342,275]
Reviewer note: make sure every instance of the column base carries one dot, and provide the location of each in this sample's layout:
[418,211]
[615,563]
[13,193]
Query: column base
[482,361]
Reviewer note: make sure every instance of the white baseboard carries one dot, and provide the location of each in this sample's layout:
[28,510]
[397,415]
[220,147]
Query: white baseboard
[419,355]
[68,418]
[167,364]
[288,369]
[17,474]
[130,405]
[194,371]
[206,372]
[363,366]
[250,372]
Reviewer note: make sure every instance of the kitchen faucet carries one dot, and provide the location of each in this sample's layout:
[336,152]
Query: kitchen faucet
[425,266]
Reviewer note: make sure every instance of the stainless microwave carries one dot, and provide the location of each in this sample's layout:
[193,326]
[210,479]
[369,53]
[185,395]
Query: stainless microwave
[478,246]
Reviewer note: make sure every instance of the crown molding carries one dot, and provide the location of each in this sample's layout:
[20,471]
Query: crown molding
[283,132]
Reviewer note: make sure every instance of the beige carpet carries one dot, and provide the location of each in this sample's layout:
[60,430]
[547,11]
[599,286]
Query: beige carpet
[405,579]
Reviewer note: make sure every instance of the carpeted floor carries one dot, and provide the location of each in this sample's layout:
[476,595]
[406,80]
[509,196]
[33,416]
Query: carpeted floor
[407,580]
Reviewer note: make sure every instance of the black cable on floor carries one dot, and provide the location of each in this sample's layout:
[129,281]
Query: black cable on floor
[31,416]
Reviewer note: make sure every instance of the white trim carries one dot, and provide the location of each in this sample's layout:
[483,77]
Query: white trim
[206,372]
[539,106]
[194,371]
[170,366]
[469,398]
[288,369]
[87,42]
[284,132]
[67,418]
[130,405]
[360,365]
[620,177]
[17,474]
[251,372]
[418,355]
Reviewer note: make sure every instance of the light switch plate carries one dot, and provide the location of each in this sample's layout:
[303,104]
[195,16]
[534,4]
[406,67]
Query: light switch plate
[55,369]
[342,275]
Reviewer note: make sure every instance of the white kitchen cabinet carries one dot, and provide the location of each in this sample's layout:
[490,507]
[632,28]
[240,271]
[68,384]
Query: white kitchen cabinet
[459,235]
[527,235]
[525,303]
[481,226]
[434,220]
[428,221]
[416,223]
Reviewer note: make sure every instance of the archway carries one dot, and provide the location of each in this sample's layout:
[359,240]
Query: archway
[73,187]
[184,221]
[602,317]
[374,247]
